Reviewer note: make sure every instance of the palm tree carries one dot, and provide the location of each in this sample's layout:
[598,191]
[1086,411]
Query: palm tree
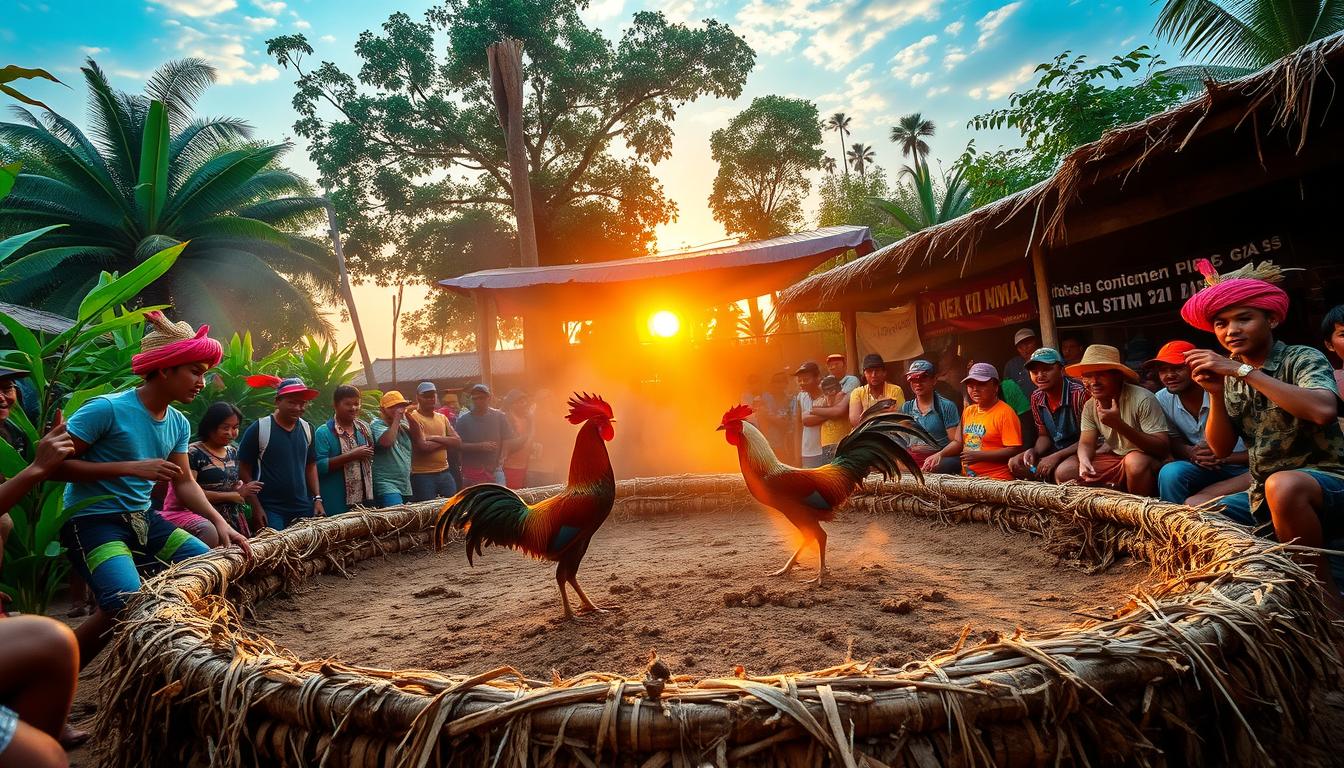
[839,122]
[1246,33]
[910,133]
[861,156]
[922,203]
[828,164]
[148,176]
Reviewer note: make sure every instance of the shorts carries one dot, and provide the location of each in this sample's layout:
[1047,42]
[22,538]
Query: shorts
[1237,506]
[1110,467]
[189,521]
[391,500]
[9,725]
[107,552]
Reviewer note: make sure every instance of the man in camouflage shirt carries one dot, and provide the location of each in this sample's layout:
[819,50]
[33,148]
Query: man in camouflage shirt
[1283,402]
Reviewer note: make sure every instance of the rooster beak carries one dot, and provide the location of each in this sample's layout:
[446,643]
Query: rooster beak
[611,421]
[719,428]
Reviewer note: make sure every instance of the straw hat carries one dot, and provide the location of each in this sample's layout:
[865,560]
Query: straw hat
[1101,357]
[163,332]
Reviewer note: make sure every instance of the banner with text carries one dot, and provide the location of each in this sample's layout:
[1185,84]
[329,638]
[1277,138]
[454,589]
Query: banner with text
[1004,298]
[892,334]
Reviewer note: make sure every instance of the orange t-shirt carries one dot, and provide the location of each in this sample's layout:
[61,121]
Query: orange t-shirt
[990,430]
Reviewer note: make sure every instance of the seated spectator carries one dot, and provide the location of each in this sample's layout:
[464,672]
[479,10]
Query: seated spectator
[345,455]
[1057,410]
[1332,329]
[1025,341]
[431,477]
[876,390]
[951,370]
[834,407]
[484,432]
[1071,348]
[1127,417]
[1193,467]
[835,363]
[939,417]
[278,450]
[991,433]
[518,450]
[1283,402]
[392,441]
[214,463]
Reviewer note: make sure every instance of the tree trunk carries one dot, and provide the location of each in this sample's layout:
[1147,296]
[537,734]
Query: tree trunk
[345,289]
[396,322]
[506,81]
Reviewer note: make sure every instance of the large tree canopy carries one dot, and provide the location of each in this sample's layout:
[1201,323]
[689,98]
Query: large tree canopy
[764,154]
[414,137]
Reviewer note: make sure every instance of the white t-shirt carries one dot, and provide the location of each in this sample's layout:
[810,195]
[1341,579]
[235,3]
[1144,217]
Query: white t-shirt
[811,435]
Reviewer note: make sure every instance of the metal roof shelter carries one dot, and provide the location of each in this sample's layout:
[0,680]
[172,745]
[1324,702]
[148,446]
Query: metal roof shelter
[455,370]
[700,278]
[36,319]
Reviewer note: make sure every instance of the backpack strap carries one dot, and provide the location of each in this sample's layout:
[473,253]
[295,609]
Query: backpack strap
[263,439]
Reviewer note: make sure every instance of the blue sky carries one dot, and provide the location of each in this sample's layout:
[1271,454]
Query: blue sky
[874,59]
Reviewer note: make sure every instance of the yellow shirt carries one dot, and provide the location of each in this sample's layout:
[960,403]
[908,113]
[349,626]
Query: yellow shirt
[863,395]
[434,425]
[834,430]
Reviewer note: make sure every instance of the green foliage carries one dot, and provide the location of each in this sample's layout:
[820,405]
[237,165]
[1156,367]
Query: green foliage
[147,176]
[909,135]
[1247,33]
[414,136]
[1072,104]
[839,122]
[12,73]
[860,156]
[844,200]
[921,202]
[764,154]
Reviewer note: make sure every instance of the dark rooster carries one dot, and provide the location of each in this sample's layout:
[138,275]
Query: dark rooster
[558,528]
[808,497]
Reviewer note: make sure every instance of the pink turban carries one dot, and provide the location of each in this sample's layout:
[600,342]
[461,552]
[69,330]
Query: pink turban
[168,345]
[1201,308]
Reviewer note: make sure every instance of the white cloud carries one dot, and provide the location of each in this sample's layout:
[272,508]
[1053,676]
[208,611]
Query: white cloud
[837,31]
[990,23]
[911,57]
[919,78]
[1004,85]
[859,99]
[198,8]
[259,23]
[954,28]
[301,24]
[602,10]
[937,90]
[678,11]
[328,38]
[225,50]
[269,7]
[953,56]
[91,50]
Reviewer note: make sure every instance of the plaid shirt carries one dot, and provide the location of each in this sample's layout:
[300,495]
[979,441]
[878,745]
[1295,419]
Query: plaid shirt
[1074,396]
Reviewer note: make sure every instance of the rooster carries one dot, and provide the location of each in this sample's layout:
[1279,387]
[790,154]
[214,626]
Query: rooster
[809,497]
[558,528]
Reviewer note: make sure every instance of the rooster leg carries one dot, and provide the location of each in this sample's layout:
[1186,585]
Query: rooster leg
[821,557]
[586,605]
[792,562]
[560,577]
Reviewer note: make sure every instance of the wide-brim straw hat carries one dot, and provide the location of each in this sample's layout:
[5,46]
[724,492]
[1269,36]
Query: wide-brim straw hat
[1101,357]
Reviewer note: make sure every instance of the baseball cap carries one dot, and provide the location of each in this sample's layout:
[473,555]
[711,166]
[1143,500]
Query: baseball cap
[11,373]
[1022,335]
[294,386]
[834,356]
[392,398]
[830,382]
[918,367]
[1171,353]
[981,372]
[426,386]
[873,361]
[1045,356]
[808,367]
[479,389]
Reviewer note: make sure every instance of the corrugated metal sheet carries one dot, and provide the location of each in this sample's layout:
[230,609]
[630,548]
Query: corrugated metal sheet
[454,369]
[36,319]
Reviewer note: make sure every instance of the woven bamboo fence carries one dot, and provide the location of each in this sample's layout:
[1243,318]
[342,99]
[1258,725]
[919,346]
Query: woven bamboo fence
[1220,661]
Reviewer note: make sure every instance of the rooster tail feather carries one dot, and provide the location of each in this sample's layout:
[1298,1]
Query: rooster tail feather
[490,514]
[881,443]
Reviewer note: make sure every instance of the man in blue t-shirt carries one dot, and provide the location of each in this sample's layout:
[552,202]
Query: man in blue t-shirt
[124,443]
[287,465]
[483,430]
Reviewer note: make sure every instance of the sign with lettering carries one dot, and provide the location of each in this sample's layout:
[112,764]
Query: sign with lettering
[892,334]
[1004,298]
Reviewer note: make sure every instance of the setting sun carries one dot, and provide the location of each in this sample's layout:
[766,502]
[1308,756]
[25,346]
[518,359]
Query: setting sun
[664,324]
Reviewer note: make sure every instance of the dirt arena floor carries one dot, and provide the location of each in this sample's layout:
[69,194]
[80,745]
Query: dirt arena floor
[695,589]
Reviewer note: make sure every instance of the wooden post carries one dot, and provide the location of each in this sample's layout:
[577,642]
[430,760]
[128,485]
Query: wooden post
[506,82]
[347,293]
[485,334]
[1049,336]
[850,320]
[396,329]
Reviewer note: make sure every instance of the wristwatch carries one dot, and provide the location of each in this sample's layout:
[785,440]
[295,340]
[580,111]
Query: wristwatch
[1244,370]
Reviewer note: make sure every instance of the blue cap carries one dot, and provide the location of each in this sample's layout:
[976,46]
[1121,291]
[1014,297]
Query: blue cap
[426,386]
[919,366]
[1047,356]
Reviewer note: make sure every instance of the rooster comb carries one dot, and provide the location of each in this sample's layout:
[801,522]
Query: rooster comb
[737,413]
[583,406]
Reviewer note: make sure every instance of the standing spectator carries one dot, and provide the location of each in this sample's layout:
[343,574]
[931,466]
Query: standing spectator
[484,431]
[876,390]
[1025,341]
[1057,413]
[430,476]
[991,433]
[518,451]
[772,414]
[450,408]
[1283,402]
[835,363]
[345,455]
[1193,469]
[278,450]
[951,370]
[1127,417]
[809,423]
[938,416]
[9,398]
[213,460]
[1332,330]
[392,441]
[1071,349]
[834,407]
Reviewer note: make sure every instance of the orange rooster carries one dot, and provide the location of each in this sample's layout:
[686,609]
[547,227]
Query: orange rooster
[558,528]
[809,497]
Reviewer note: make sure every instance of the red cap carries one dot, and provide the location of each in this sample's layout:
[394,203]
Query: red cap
[1172,353]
